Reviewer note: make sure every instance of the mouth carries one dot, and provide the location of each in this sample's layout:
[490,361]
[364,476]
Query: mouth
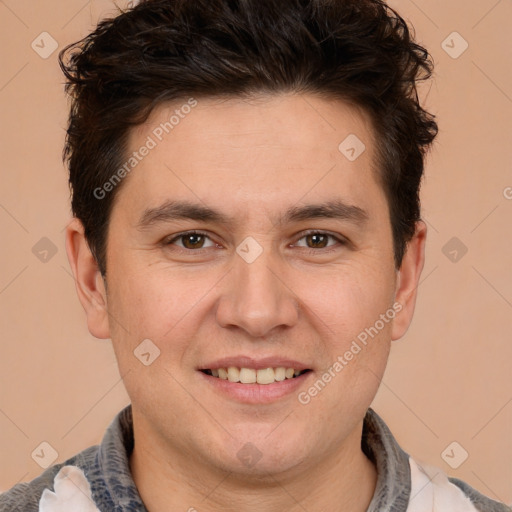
[263,376]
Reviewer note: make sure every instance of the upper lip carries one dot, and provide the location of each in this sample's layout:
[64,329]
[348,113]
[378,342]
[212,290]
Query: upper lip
[257,364]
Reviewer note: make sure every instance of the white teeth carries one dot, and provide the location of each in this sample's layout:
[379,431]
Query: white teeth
[280,373]
[233,374]
[265,376]
[247,376]
[251,376]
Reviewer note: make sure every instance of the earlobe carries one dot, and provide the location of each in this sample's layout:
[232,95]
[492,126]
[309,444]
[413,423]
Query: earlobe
[408,278]
[88,280]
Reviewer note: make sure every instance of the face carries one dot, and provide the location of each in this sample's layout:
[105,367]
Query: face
[246,239]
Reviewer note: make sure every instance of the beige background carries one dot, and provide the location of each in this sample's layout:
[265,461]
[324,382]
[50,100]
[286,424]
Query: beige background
[448,380]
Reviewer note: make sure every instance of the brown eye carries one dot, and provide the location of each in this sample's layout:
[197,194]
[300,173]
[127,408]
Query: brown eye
[191,240]
[317,240]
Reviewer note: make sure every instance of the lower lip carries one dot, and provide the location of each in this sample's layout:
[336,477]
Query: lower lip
[256,393]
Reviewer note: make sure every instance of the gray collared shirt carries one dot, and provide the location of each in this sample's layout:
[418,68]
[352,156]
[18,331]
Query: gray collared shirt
[107,469]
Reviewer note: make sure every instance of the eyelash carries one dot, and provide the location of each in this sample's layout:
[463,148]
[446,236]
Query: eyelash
[341,241]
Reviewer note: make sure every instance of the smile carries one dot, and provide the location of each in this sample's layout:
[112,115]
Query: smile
[254,376]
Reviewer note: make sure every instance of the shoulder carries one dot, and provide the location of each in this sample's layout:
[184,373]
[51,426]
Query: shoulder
[433,490]
[24,497]
[482,503]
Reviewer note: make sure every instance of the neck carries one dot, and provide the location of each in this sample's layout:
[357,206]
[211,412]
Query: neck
[169,479]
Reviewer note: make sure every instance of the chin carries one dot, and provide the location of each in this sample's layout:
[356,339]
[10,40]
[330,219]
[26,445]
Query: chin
[263,455]
[268,469]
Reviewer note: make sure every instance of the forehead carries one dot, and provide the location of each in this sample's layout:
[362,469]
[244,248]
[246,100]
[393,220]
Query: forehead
[259,152]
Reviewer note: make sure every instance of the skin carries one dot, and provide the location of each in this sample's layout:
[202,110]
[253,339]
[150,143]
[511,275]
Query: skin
[302,298]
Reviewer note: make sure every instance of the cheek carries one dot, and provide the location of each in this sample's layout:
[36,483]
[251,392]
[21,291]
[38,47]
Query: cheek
[154,302]
[349,300]
[355,311]
[165,307]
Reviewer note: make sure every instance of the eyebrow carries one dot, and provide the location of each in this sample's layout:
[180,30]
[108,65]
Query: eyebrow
[185,210]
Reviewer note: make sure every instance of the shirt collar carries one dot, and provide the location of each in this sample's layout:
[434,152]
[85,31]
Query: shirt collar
[393,470]
[113,459]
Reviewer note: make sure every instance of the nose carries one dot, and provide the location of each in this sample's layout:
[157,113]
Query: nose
[257,297]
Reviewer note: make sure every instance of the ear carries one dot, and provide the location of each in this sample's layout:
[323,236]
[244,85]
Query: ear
[408,278]
[88,280]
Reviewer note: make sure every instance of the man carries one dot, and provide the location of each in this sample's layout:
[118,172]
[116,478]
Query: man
[247,231]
